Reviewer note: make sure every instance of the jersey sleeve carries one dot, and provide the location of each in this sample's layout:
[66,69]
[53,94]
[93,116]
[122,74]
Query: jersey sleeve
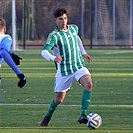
[80,44]
[50,43]
[6,43]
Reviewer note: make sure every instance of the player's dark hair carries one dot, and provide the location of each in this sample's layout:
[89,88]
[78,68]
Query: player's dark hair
[2,22]
[59,12]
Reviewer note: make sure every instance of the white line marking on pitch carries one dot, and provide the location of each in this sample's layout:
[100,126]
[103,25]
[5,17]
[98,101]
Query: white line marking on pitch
[118,52]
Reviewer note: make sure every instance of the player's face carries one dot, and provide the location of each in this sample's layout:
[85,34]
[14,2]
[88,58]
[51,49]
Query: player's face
[62,22]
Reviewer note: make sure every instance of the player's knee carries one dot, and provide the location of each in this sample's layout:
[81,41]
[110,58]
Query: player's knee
[88,86]
[59,101]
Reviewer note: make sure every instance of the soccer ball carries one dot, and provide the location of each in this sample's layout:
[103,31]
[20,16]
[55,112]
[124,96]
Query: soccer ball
[94,121]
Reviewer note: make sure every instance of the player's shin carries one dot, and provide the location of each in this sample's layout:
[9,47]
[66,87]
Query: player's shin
[51,109]
[85,101]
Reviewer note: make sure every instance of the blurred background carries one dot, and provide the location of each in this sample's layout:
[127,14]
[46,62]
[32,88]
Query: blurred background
[102,23]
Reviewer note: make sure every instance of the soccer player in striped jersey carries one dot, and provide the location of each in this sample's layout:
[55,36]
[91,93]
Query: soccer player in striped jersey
[67,51]
[9,57]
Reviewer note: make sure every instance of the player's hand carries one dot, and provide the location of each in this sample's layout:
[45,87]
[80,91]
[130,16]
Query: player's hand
[22,80]
[16,58]
[58,59]
[88,58]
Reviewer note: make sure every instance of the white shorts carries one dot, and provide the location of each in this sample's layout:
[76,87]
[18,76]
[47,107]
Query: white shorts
[63,83]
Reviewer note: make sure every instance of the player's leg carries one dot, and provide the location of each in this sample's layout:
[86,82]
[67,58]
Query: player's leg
[55,102]
[87,93]
[86,97]
[7,58]
[84,78]
[53,105]
[62,84]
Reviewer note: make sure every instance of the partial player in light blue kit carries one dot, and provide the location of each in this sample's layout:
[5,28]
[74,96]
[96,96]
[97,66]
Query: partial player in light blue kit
[7,55]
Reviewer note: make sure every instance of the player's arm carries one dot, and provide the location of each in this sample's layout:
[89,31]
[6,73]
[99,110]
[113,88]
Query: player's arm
[6,55]
[7,58]
[80,44]
[48,56]
[47,48]
[15,58]
[82,50]
[50,43]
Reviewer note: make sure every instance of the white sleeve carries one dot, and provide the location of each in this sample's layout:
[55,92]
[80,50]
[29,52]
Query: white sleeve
[47,55]
[80,44]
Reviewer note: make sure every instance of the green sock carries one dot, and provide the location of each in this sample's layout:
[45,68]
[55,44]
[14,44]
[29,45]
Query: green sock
[51,109]
[85,101]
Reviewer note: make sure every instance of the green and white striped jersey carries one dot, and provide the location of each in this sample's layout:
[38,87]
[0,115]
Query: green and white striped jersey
[65,43]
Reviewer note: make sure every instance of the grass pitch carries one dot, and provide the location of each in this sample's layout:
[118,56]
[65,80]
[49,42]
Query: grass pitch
[21,110]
